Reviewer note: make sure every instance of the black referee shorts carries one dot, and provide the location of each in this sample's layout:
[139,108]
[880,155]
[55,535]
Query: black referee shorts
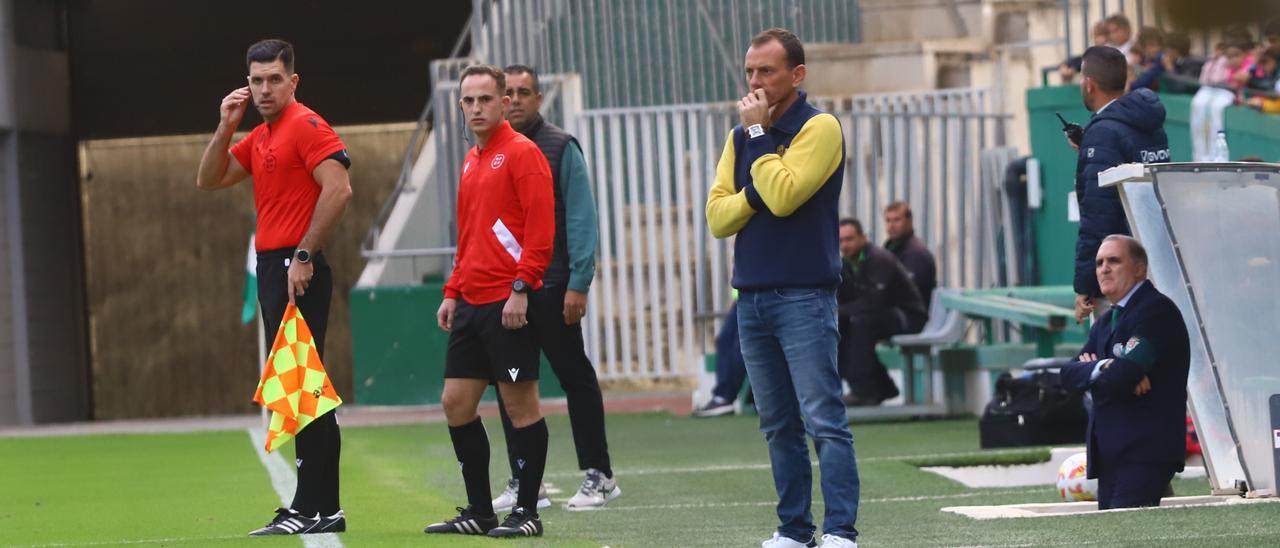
[480,348]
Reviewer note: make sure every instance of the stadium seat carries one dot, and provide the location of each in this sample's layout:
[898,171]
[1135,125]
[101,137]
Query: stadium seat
[944,328]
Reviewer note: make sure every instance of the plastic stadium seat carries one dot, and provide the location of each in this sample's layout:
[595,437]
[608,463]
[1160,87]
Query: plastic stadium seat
[943,328]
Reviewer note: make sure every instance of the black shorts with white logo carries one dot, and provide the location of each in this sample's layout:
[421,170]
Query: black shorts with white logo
[480,348]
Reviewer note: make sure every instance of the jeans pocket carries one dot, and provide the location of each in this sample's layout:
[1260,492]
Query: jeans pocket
[797,293]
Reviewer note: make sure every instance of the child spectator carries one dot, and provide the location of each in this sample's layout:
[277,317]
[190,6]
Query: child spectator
[1119,33]
[1148,59]
[1181,70]
[1069,68]
[1262,75]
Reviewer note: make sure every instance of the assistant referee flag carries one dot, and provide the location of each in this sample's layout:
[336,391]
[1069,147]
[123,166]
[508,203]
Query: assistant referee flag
[294,385]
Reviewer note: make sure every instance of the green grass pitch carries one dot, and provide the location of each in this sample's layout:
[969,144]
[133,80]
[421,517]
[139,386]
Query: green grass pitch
[685,482]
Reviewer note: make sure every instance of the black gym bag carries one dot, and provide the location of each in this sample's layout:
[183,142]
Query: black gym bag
[1033,410]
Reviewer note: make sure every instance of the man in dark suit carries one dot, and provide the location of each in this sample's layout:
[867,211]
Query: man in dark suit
[1135,365]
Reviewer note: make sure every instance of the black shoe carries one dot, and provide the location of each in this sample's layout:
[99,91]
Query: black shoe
[289,522]
[716,407]
[336,523]
[520,523]
[467,523]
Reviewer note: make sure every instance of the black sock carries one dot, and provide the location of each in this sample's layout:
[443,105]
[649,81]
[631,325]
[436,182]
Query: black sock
[607,471]
[507,432]
[471,445]
[531,460]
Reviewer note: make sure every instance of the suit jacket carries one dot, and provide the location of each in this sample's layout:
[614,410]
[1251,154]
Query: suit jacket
[1148,339]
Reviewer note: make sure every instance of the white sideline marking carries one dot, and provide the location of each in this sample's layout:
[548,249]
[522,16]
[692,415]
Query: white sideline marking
[765,466]
[819,502]
[1111,542]
[170,540]
[285,482]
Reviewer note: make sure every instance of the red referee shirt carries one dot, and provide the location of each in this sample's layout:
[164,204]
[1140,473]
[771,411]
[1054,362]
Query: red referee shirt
[506,219]
[280,157]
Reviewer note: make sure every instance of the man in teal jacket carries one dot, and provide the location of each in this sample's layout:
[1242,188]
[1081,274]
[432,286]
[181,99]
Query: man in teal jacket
[558,307]
[777,187]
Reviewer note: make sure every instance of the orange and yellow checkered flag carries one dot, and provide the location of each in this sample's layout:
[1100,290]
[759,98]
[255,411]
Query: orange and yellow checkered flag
[294,385]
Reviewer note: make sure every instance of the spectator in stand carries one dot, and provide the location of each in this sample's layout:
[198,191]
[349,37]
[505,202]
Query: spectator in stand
[1069,68]
[1216,95]
[1120,33]
[1181,70]
[1149,58]
[1261,76]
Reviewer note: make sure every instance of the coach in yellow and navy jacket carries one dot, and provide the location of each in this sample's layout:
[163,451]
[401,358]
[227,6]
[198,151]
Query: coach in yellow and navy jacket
[777,188]
[779,195]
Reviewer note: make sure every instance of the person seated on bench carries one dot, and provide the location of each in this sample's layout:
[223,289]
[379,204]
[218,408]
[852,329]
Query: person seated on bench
[909,249]
[877,300]
[731,371]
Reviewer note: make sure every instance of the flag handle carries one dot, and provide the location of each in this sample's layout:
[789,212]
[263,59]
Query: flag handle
[262,359]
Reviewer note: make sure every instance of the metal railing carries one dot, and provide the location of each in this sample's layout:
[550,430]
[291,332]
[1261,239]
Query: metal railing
[661,275]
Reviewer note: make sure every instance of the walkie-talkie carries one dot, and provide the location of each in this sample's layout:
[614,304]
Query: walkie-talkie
[1074,132]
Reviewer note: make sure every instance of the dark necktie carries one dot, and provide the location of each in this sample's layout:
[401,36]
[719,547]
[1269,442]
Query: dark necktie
[1115,314]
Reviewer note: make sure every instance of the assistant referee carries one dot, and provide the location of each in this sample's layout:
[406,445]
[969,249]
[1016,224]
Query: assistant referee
[300,190]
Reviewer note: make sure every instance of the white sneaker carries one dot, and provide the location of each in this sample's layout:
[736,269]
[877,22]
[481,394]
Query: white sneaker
[507,500]
[779,541]
[833,541]
[596,491]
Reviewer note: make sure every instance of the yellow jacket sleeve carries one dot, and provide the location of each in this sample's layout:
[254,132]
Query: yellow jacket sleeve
[727,207]
[786,182]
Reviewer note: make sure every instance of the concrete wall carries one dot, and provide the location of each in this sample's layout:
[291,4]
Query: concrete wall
[43,344]
[166,269]
[917,20]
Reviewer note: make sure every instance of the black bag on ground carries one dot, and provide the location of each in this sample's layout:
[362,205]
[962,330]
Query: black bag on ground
[1035,410]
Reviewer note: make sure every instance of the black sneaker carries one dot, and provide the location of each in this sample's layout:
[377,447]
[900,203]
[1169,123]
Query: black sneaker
[467,523]
[716,407]
[288,522]
[336,523]
[520,523]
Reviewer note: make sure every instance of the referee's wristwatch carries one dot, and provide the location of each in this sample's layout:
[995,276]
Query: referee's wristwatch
[303,256]
[520,286]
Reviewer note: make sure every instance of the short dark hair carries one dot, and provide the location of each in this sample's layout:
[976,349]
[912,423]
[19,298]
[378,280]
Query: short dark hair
[1150,36]
[1132,245]
[1119,20]
[850,221]
[1272,53]
[485,70]
[524,69]
[1106,66]
[1179,42]
[790,43]
[269,50]
[904,207]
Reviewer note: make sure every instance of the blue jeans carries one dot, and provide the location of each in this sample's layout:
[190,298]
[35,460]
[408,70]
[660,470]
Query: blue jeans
[730,372]
[789,339]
